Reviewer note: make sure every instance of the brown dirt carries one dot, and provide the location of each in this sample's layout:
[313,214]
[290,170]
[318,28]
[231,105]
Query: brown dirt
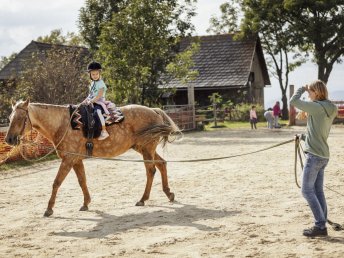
[246,206]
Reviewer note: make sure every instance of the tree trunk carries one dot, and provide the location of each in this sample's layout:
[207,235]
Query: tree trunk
[285,111]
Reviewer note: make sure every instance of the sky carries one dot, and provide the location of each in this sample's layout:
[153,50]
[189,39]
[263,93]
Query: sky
[22,21]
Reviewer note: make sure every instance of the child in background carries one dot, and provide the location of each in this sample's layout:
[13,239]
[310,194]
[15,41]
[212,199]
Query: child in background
[97,95]
[253,117]
[269,118]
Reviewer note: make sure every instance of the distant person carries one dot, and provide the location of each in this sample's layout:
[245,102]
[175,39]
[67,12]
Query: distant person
[269,116]
[320,115]
[253,117]
[276,112]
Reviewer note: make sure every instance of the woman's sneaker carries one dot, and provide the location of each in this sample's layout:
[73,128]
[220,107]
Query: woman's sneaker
[315,231]
[103,135]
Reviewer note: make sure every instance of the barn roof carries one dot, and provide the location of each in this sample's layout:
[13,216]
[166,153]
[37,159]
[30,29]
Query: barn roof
[14,67]
[224,62]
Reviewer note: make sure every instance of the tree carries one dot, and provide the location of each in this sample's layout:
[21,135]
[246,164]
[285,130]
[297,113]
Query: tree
[181,67]
[57,37]
[58,78]
[229,20]
[319,28]
[268,19]
[5,60]
[93,16]
[137,45]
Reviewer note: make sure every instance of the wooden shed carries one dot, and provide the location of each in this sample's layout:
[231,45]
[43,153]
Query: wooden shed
[236,69]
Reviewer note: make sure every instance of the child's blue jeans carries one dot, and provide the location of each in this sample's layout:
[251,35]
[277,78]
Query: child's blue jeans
[312,187]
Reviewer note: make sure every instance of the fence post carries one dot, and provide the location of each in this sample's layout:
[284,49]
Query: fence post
[191,102]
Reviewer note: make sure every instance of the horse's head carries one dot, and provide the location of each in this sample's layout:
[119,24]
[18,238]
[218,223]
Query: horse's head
[18,118]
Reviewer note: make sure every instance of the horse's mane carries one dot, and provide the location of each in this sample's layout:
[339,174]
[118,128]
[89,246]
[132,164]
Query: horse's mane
[48,106]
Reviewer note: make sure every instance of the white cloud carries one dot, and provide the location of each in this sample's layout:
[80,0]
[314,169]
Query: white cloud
[23,21]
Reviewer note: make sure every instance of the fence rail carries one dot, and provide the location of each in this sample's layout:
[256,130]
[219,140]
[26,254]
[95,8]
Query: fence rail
[182,115]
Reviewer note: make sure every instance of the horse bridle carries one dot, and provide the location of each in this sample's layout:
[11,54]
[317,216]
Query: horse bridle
[27,117]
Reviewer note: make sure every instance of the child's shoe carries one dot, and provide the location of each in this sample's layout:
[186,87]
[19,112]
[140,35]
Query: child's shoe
[103,135]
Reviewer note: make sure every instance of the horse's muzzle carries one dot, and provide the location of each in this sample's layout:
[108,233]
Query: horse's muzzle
[12,140]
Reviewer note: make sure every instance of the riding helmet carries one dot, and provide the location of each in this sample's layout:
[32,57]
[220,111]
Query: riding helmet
[94,66]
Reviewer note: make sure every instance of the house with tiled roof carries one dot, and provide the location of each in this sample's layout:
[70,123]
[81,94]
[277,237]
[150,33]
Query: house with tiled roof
[236,69]
[16,66]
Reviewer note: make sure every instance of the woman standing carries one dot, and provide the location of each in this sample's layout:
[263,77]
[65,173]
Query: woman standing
[321,113]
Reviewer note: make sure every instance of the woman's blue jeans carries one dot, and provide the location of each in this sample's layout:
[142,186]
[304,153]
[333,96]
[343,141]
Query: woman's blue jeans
[312,188]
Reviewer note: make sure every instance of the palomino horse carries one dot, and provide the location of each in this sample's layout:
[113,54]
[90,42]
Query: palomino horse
[142,130]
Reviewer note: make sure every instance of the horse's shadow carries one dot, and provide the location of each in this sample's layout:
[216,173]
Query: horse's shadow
[186,215]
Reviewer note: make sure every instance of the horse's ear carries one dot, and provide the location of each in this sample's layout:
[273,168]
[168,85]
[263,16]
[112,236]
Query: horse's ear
[26,103]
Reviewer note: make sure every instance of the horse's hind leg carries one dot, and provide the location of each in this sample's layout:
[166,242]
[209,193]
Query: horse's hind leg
[65,167]
[150,171]
[80,173]
[163,170]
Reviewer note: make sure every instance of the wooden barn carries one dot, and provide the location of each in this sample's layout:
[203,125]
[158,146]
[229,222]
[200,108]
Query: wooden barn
[235,69]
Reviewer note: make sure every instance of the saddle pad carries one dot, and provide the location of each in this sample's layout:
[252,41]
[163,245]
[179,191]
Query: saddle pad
[79,119]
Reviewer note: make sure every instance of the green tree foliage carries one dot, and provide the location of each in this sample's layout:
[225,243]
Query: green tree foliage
[58,78]
[228,22]
[5,60]
[312,27]
[181,67]
[138,43]
[57,37]
[7,91]
[318,27]
[93,16]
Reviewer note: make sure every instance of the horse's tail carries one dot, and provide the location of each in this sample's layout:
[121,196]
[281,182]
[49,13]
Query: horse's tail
[167,132]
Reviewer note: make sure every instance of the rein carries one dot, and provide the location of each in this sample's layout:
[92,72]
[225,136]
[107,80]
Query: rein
[169,161]
[298,150]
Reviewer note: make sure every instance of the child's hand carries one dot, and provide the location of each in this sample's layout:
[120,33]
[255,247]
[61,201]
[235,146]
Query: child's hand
[86,101]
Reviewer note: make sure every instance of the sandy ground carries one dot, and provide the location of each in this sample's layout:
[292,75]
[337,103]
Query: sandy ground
[246,206]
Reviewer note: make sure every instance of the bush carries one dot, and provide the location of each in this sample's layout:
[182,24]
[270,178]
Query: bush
[241,112]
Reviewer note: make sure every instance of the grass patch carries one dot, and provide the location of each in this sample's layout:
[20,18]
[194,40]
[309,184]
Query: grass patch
[238,125]
[24,163]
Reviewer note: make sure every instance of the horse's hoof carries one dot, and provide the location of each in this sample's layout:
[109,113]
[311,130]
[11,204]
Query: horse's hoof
[171,197]
[140,203]
[83,208]
[48,213]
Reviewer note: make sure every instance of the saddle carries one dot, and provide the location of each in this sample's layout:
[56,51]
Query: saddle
[85,118]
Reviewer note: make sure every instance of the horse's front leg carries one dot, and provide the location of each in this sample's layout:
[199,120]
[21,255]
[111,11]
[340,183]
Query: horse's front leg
[65,167]
[80,173]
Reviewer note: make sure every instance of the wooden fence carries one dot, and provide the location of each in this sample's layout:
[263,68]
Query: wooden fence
[182,115]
